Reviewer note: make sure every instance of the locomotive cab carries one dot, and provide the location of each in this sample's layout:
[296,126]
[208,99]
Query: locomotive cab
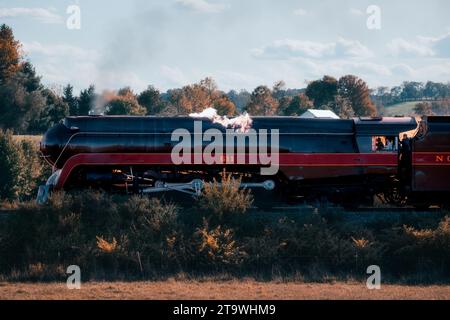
[430,162]
[381,135]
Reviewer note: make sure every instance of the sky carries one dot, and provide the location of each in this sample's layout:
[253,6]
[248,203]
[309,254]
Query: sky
[240,43]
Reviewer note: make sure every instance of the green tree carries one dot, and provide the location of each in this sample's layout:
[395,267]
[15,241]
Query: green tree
[124,106]
[150,99]
[19,108]
[298,105]
[30,80]
[431,90]
[356,91]
[86,101]
[262,102]
[10,166]
[9,53]
[55,110]
[70,100]
[322,91]
[412,90]
[20,89]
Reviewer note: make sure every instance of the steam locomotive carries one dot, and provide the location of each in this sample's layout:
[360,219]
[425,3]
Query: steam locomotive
[343,161]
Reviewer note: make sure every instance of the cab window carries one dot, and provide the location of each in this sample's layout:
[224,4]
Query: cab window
[384,144]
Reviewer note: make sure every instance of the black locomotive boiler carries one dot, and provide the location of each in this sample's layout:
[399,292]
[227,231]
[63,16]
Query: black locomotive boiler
[344,161]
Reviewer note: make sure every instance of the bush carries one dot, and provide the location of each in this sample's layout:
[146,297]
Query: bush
[112,237]
[22,168]
[10,166]
[217,247]
[224,200]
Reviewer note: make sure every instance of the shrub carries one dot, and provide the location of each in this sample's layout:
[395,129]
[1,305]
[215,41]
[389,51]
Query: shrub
[151,224]
[21,167]
[126,237]
[10,166]
[225,199]
[217,246]
[34,171]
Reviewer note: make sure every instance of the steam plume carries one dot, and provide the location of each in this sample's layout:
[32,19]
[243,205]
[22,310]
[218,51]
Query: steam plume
[240,123]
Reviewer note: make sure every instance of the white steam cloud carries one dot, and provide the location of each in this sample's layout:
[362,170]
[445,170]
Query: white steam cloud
[240,123]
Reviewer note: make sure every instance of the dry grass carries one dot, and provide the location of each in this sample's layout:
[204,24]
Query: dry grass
[233,289]
[34,139]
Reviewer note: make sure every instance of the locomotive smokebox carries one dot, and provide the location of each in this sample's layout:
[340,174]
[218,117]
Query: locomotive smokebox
[53,142]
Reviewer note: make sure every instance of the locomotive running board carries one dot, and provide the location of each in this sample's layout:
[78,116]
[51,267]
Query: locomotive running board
[196,186]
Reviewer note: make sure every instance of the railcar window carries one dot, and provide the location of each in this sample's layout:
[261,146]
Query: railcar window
[384,144]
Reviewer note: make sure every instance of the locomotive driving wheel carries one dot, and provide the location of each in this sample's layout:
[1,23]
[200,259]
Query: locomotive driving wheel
[394,195]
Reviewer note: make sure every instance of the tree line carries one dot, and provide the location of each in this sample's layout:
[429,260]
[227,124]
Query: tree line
[411,91]
[29,107]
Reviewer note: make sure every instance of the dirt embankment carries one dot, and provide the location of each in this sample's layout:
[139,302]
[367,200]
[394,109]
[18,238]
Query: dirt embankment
[234,289]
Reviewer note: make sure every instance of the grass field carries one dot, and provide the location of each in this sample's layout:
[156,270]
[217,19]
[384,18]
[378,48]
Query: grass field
[401,109]
[233,289]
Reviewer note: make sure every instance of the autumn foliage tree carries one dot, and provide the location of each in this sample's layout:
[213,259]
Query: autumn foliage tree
[298,105]
[9,53]
[199,96]
[262,103]
[125,103]
[356,91]
[347,96]
[224,105]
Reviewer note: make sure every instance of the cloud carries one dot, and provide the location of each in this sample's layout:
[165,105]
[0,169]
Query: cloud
[440,44]
[62,63]
[352,48]
[405,48]
[403,70]
[40,14]
[173,76]
[201,6]
[289,48]
[300,12]
[356,12]
[228,79]
[421,47]
[60,50]
[435,69]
